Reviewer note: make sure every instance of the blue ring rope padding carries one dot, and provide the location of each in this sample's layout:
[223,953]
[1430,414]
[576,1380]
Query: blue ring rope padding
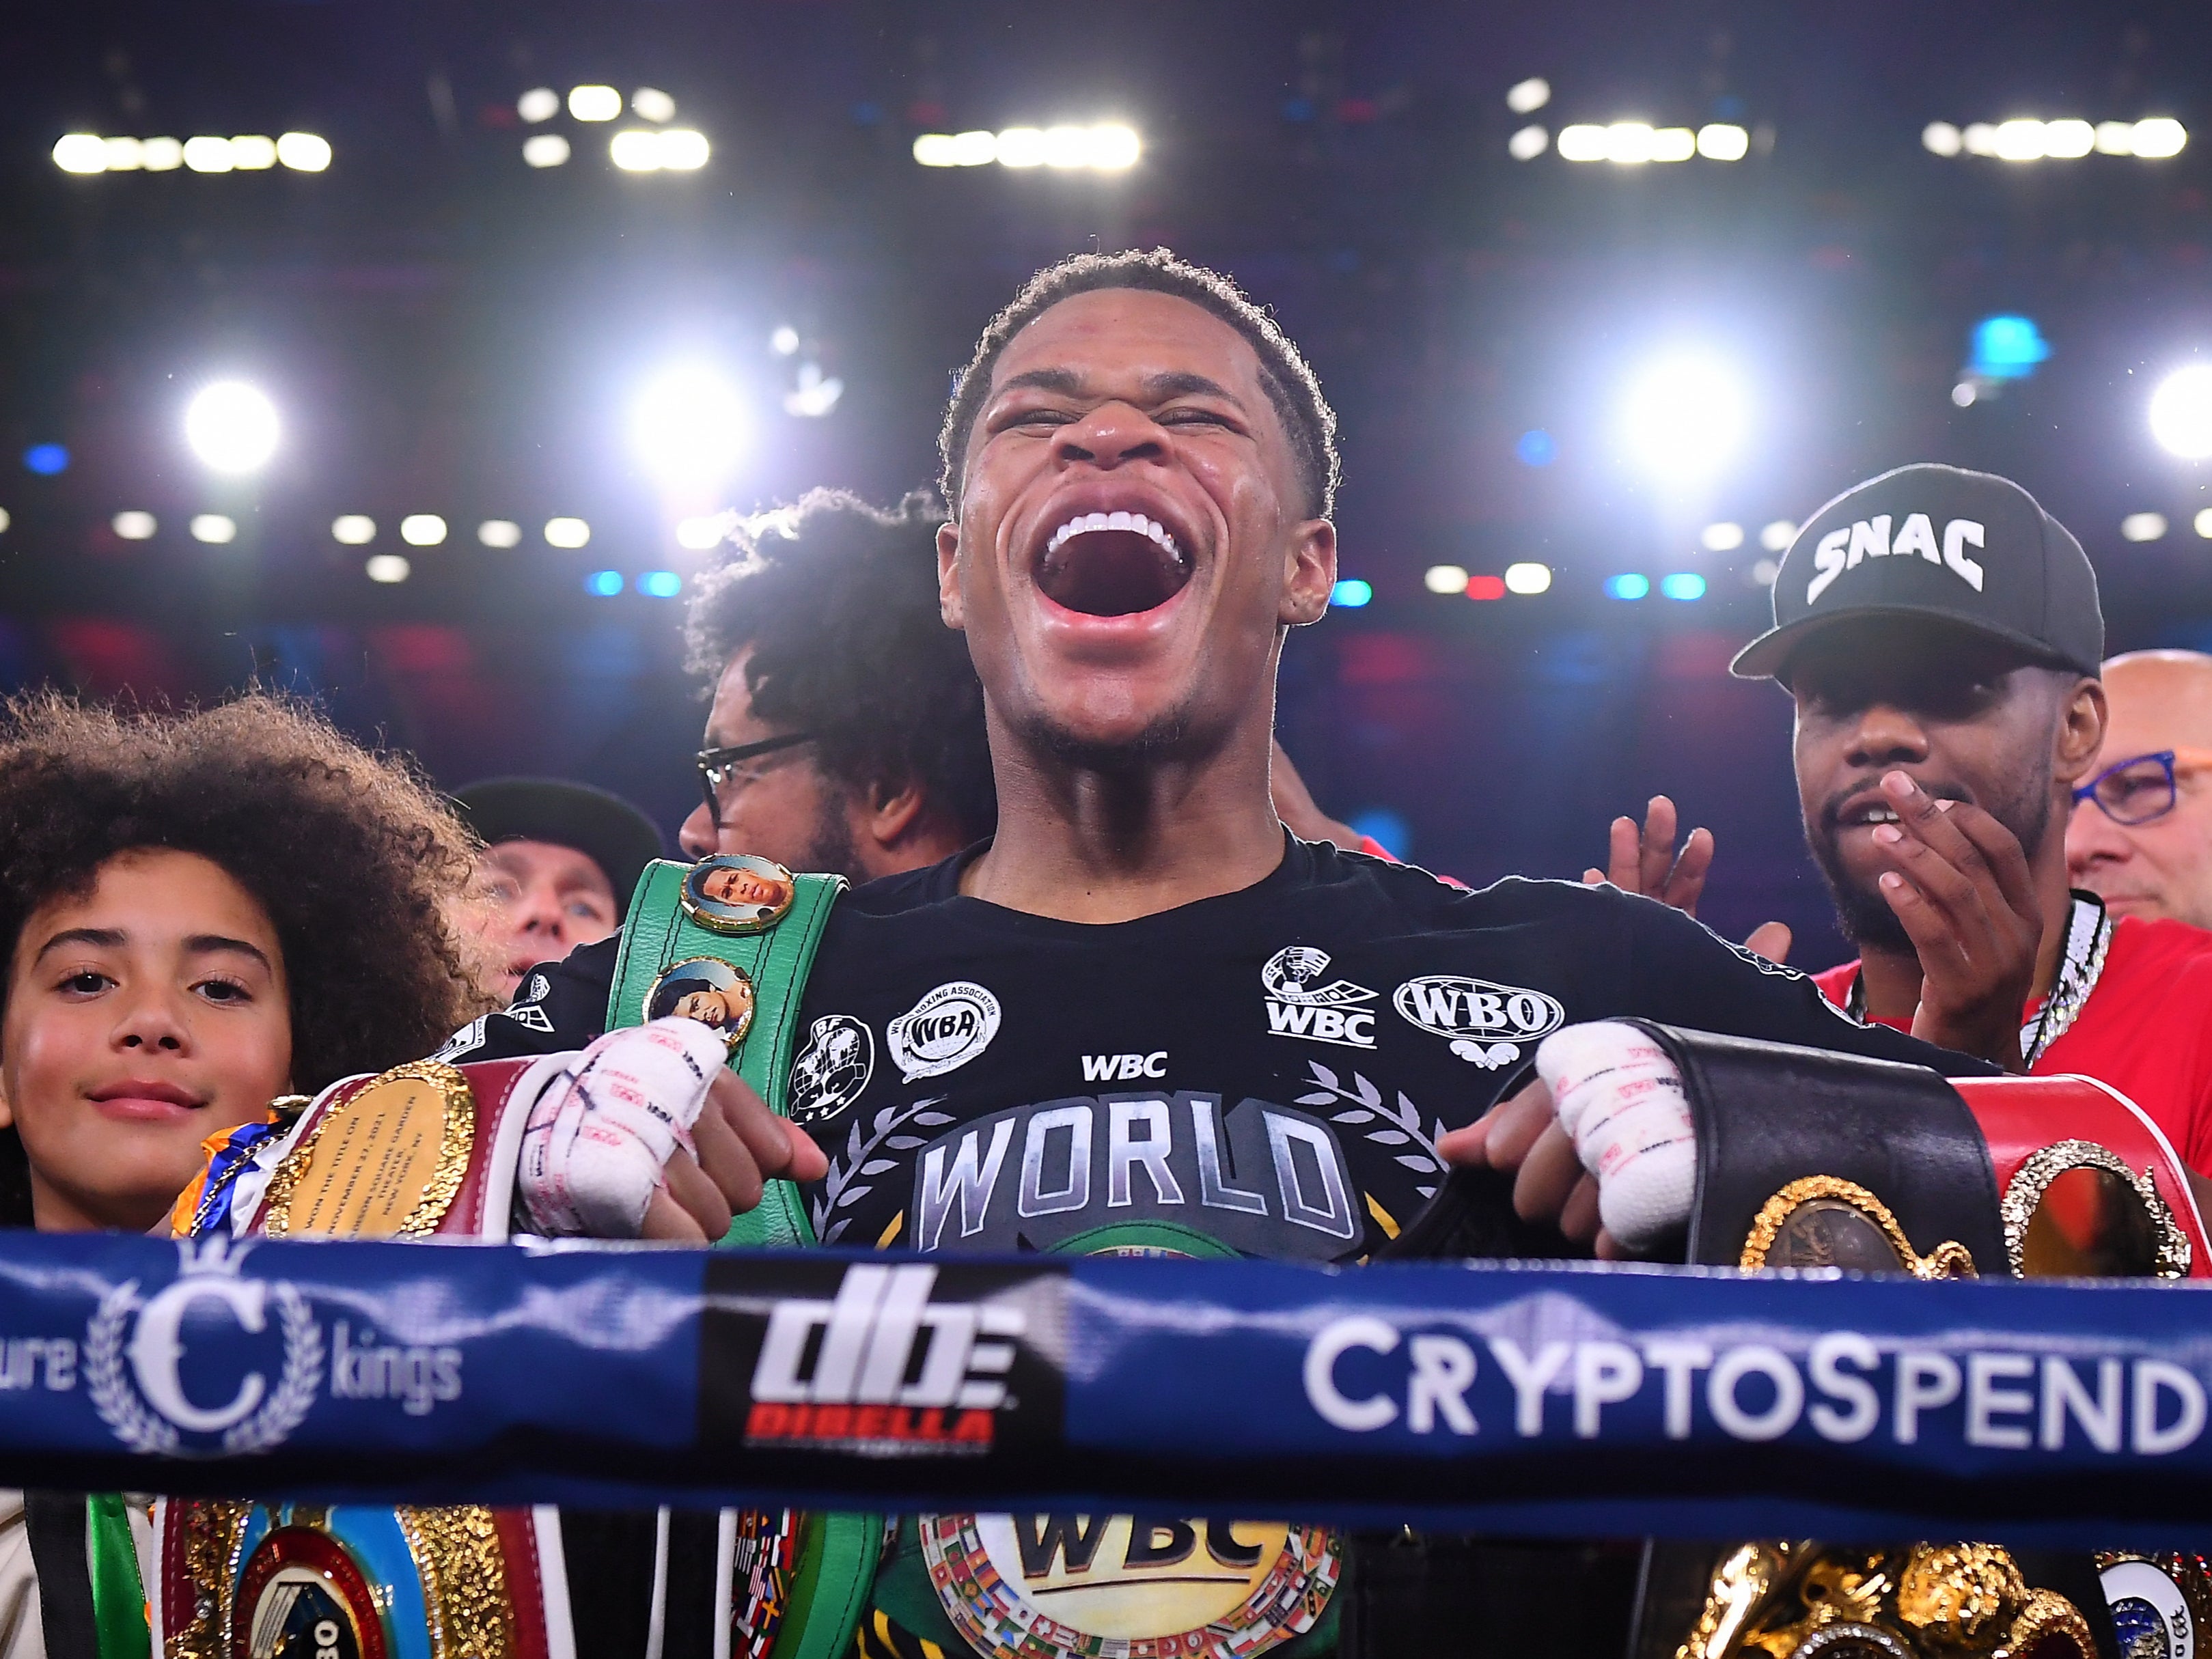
[1558,1399]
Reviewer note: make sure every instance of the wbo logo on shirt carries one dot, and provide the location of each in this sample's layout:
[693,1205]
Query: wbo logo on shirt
[1300,1006]
[1485,1023]
[949,1027]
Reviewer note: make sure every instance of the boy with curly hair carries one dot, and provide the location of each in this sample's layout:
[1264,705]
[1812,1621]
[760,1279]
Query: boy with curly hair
[201,912]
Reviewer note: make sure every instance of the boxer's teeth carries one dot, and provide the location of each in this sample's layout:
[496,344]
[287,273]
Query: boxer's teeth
[1084,523]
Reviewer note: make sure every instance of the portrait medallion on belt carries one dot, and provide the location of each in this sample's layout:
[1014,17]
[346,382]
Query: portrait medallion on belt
[737,893]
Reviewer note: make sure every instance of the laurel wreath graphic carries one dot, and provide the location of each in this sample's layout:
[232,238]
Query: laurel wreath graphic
[858,1159]
[113,1396]
[120,1407]
[1379,1122]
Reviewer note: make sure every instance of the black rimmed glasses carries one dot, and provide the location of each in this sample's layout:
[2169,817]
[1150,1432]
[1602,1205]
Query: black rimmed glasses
[719,767]
[2139,789]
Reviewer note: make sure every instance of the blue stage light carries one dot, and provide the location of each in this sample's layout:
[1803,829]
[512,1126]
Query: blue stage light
[1536,448]
[660,584]
[1350,594]
[46,459]
[1682,585]
[1631,586]
[2007,348]
[604,584]
[1380,823]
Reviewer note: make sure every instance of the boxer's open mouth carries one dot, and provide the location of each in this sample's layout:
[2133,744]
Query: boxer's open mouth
[1112,564]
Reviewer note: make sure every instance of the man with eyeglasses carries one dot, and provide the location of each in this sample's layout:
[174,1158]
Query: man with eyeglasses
[2141,835]
[1940,633]
[846,733]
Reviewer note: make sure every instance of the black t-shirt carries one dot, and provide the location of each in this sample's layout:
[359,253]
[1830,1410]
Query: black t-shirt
[1266,1072]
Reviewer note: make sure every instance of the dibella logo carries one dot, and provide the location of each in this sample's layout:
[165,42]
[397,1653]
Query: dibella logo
[880,1362]
[1845,548]
[1485,1023]
[944,1031]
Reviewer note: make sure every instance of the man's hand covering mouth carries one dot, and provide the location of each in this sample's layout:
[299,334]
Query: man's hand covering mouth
[1111,564]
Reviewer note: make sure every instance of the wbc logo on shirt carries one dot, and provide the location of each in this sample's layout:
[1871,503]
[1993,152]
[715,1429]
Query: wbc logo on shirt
[1301,1004]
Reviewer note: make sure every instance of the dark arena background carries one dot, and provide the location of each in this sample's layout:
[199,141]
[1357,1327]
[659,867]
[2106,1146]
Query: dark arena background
[1608,297]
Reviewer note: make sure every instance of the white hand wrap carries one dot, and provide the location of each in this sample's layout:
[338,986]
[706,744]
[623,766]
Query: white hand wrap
[1619,1098]
[600,1134]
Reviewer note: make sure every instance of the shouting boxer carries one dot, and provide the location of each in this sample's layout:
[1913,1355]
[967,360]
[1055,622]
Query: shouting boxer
[1143,1017]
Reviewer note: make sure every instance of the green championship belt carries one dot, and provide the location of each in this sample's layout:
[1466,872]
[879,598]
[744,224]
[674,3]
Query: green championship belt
[728,941]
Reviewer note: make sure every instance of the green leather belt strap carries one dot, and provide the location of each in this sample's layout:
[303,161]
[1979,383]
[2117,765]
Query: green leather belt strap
[836,1559]
[658,934]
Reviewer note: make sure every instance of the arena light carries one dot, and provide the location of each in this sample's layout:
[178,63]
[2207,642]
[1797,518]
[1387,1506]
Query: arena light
[124,155]
[1724,141]
[594,103]
[500,533]
[2143,527]
[161,154]
[689,426]
[1527,97]
[1536,448]
[604,584]
[214,528]
[651,104]
[2020,140]
[1628,586]
[1774,537]
[1106,147]
[1485,588]
[46,459]
[683,149]
[1684,415]
[134,525]
[2158,137]
[1351,593]
[784,340]
[815,394]
[567,532]
[2068,138]
[2203,524]
[637,149]
[1722,537]
[352,530]
[702,533]
[1764,572]
[387,567]
[2007,347]
[538,104]
[1527,578]
[304,152]
[1635,143]
[252,153]
[423,530]
[659,584]
[1683,585]
[206,153]
[81,152]
[544,149]
[1529,144]
[2181,412]
[232,427]
[1444,579]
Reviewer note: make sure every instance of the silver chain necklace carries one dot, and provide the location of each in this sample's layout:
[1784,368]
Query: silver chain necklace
[2088,937]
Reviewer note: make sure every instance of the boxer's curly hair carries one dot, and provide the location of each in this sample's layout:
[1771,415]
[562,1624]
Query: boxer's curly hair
[361,867]
[1290,386]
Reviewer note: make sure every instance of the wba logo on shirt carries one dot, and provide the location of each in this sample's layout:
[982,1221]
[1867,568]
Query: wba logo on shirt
[904,1359]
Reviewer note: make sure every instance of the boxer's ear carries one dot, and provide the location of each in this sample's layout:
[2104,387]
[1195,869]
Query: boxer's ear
[949,604]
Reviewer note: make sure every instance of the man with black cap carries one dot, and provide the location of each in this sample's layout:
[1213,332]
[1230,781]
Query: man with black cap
[559,864]
[1940,636]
